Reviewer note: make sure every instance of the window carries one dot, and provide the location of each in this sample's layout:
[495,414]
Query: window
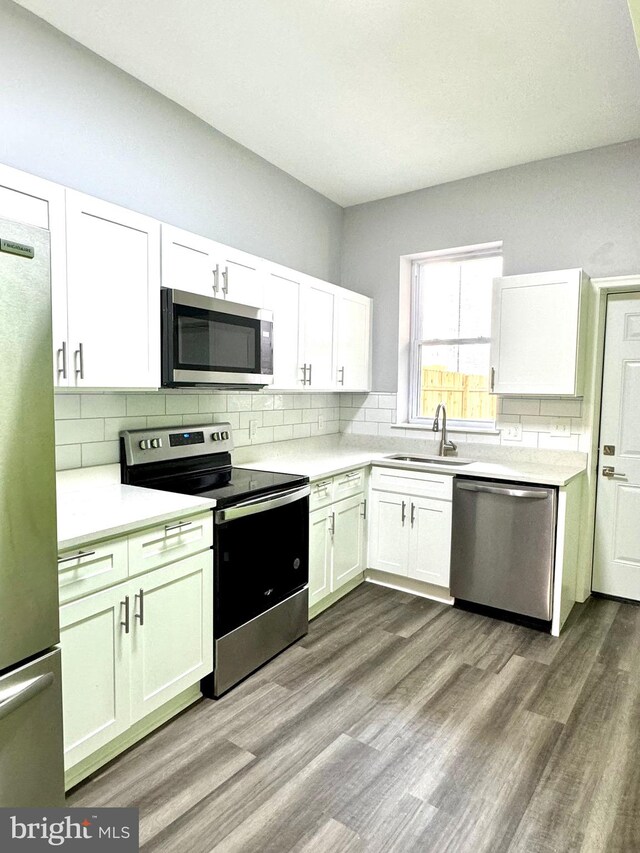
[451,336]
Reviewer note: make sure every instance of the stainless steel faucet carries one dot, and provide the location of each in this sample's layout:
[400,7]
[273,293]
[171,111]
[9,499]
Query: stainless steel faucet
[445,443]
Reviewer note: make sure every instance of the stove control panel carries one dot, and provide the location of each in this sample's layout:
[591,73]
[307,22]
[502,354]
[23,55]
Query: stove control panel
[143,445]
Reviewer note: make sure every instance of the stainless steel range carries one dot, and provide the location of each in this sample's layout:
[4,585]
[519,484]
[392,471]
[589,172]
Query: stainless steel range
[261,541]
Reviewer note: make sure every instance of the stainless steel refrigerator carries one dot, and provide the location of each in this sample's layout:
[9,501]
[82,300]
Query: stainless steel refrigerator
[31,751]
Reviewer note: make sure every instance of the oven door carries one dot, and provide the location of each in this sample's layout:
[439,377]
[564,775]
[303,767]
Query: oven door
[261,556]
[214,342]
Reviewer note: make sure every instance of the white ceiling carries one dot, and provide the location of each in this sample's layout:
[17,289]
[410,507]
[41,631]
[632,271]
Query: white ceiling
[362,99]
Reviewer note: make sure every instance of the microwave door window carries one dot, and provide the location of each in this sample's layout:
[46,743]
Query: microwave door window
[208,344]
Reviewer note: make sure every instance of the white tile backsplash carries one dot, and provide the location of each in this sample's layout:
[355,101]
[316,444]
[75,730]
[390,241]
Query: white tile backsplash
[88,424]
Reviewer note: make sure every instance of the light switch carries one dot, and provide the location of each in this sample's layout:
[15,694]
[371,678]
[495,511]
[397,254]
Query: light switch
[560,428]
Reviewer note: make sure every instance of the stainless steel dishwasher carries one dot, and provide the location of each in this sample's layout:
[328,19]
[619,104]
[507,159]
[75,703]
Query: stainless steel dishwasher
[503,546]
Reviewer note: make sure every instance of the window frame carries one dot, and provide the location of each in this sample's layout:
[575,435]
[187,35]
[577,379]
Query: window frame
[416,343]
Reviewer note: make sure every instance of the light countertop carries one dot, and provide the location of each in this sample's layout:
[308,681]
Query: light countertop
[335,461]
[98,512]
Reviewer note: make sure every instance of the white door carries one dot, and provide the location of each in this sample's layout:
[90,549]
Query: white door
[241,277]
[113,289]
[190,262]
[430,541]
[282,296]
[353,342]
[318,313]
[319,555]
[389,532]
[33,201]
[95,671]
[616,565]
[172,634]
[348,540]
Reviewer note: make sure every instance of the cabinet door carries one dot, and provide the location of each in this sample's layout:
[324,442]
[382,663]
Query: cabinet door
[95,671]
[430,540]
[353,341]
[283,297]
[348,540]
[318,336]
[319,555]
[113,288]
[172,633]
[190,262]
[33,201]
[535,333]
[389,532]
[241,277]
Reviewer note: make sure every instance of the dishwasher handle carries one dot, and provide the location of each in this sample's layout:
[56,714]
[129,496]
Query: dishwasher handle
[538,494]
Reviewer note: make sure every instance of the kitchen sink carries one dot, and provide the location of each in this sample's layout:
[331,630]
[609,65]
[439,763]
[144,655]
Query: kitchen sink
[429,460]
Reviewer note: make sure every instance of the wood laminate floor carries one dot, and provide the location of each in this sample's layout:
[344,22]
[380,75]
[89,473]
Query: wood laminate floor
[399,724]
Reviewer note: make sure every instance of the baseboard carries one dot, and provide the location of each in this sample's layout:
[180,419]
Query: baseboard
[331,599]
[410,585]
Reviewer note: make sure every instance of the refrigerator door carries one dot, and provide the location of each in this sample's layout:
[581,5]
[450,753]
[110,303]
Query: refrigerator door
[502,553]
[28,541]
[31,762]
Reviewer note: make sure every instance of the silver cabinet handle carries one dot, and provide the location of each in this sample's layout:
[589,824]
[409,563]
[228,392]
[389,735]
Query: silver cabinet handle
[324,485]
[62,352]
[413,513]
[363,504]
[140,614]
[352,475]
[225,281]
[493,378]
[304,373]
[610,472]
[332,527]
[169,527]
[341,378]
[78,357]
[216,277]
[126,624]
[404,513]
[310,366]
[15,697]
[496,490]
[76,556]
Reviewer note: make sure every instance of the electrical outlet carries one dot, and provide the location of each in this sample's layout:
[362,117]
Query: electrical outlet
[560,428]
[253,428]
[513,432]
[321,422]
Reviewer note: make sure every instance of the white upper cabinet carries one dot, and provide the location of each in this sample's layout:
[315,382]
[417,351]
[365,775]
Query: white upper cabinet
[33,201]
[113,295]
[283,296]
[317,336]
[199,265]
[538,324]
[353,333]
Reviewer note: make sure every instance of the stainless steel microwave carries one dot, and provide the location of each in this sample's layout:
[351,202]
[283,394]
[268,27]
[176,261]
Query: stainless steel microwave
[213,342]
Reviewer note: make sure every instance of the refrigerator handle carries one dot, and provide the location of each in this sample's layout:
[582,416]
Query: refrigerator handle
[14,698]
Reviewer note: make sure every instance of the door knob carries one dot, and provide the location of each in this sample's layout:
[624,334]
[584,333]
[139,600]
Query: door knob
[610,472]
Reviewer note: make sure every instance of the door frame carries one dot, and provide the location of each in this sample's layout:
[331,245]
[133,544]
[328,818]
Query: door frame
[592,407]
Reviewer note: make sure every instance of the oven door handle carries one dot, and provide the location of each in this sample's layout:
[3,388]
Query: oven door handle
[263,504]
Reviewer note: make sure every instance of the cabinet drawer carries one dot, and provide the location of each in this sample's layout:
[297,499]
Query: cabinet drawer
[420,483]
[321,493]
[168,542]
[85,570]
[349,483]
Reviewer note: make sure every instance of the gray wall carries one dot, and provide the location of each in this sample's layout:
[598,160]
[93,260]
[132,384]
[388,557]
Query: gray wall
[580,210]
[71,117]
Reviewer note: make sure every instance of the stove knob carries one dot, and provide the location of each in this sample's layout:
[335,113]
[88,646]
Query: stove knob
[144,444]
[225,435]
[156,442]
[215,436]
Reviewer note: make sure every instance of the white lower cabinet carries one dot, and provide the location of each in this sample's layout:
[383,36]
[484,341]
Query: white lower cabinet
[410,534]
[336,535]
[131,648]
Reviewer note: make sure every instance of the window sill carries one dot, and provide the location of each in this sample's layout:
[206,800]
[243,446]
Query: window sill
[469,431]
